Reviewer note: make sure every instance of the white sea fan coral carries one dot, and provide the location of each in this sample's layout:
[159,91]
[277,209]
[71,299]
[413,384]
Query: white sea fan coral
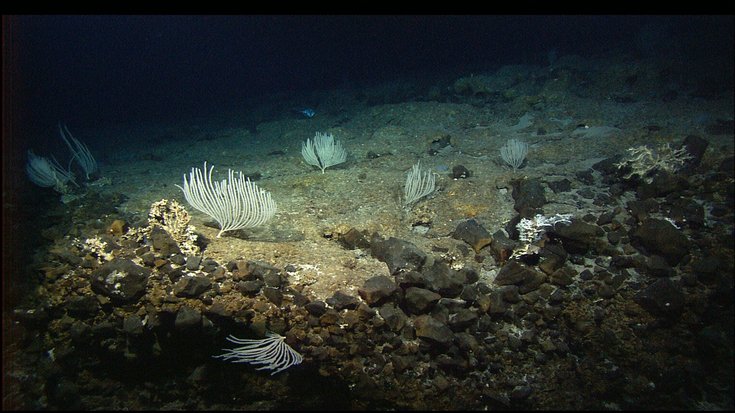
[79,151]
[514,152]
[324,151]
[418,185]
[48,173]
[235,202]
[272,352]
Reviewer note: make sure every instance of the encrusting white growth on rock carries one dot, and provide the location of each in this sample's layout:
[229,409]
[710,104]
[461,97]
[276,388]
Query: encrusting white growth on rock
[531,230]
[642,161]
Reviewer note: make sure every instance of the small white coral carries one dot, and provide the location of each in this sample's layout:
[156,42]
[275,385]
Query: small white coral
[530,230]
[418,185]
[644,161]
[514,152]
[97,248]
[173,217]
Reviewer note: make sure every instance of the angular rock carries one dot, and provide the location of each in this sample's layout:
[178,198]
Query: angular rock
[553,257]
[663,183]
[469,293]
[274,279]
[192,262]
[521,392]
[528,194]
[209,265]
[297,298]
[451,305]
[460,172]
[462,319]
[149,259]
[585,176]
[121,280]
[628,261]
[514,273]
[614,237]
[661,237]
[605,218]
[340,301]
[663,298]
[578,237]
[433,330]
[532,283]
[192,286]
[260,270]
[216,275]
[80,332]
[104,329]
[563,276]
[316,308]
[273,295]
[354,239]
[691,212]
[398,254]
[509,293]
[453,363]
[401,363]
[483,302]
[640,210]
[563,185]
[605,291]
[85,306]
[377,290]
[557,296]
[219,309]
[469,275]
[657,266]
[394,317]
[187,317]
[474,234]
[330,317]
[442,279]
[133,325]
[695,147]
[497,305]
[410,279]
[178,259]
[502,246]
[420,300]
[163,243]
[250,287]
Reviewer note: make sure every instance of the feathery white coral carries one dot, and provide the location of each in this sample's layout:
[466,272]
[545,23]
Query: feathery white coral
[514,152]
[323,151]
[48,173]
[272,352]
[79,151]
[234,203]
[418,185]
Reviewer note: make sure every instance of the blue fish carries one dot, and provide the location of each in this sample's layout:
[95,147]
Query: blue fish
[308,112]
